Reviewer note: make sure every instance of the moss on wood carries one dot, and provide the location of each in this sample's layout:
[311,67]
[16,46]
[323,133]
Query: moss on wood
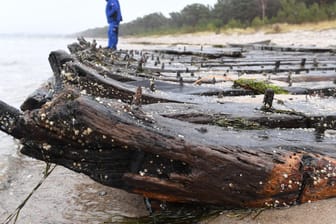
[259,87]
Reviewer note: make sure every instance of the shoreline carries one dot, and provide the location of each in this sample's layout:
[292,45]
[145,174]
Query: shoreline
[322,38]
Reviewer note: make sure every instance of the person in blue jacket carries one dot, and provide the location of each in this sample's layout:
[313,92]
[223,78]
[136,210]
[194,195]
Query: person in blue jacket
[114,17]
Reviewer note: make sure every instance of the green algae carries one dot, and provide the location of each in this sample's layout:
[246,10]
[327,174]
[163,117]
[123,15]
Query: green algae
[259,87]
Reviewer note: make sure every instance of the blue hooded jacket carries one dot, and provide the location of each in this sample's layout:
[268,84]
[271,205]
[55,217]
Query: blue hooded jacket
[113,12]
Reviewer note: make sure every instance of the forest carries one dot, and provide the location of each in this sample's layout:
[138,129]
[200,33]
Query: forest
[227,14]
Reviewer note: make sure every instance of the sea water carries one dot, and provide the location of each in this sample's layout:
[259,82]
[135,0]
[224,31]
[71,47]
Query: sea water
[23,68]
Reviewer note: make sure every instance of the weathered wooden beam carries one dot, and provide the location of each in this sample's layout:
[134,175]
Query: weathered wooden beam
[233,52]
[236,175]
[85,79]
[10,120]
[39,97]
[293,49]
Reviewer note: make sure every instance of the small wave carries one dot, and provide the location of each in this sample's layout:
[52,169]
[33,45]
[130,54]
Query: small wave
[9,63]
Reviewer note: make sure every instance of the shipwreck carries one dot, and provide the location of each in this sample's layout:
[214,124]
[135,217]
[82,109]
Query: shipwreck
[243,126]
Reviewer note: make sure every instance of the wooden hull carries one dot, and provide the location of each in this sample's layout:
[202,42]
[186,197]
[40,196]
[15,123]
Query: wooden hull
[187,144]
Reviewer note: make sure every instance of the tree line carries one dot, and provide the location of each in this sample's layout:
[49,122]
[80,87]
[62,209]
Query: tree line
[229,14]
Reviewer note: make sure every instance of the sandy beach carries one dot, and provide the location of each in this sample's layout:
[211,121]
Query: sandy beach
[322,38]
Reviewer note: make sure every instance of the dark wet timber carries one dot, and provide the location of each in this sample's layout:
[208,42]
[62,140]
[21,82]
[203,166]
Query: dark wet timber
[182,128]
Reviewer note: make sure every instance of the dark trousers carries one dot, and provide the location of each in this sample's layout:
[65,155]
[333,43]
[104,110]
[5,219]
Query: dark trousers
[113,35]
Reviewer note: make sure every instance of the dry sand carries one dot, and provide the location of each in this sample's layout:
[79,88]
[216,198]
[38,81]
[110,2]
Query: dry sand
[323,38]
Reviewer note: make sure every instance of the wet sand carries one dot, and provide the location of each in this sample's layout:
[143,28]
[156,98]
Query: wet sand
[322,212]
[64,197]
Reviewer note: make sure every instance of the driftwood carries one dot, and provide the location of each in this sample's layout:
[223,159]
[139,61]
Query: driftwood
[113,117]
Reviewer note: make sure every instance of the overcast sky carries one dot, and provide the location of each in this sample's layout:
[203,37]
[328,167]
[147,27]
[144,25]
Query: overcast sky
[70,16]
